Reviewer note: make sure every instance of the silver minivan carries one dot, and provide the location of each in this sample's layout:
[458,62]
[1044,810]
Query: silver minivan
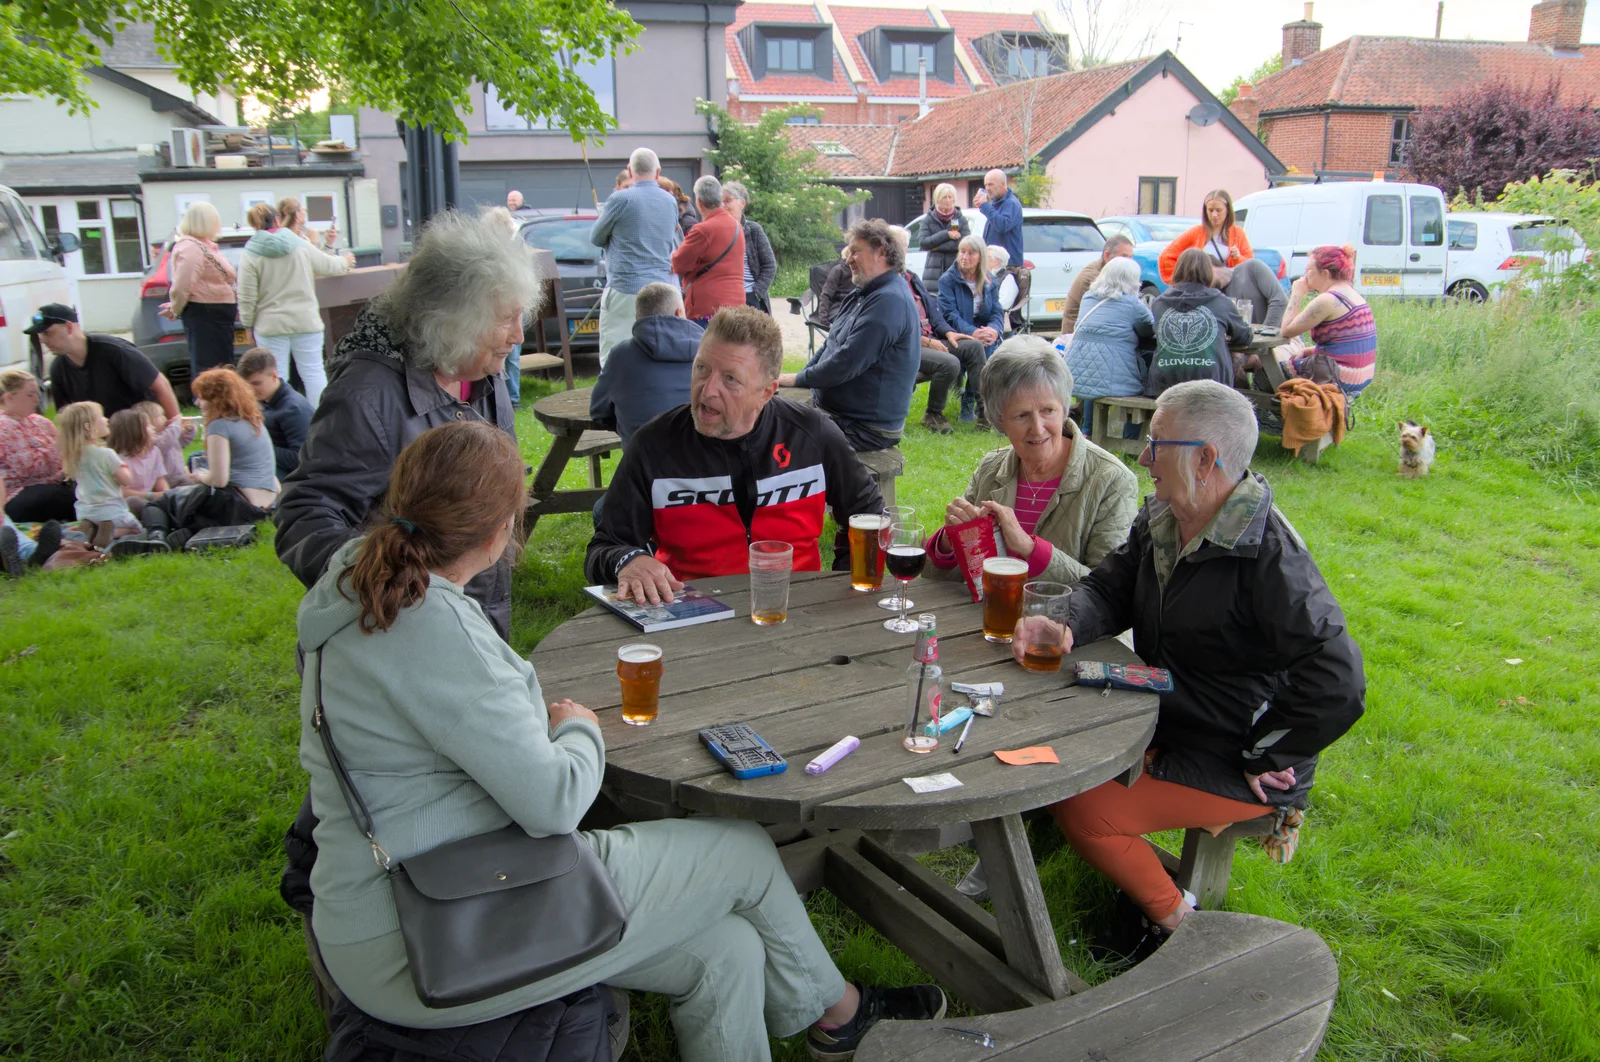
[31,275]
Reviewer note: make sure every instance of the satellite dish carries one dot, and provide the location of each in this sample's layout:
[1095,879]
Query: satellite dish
[1203,114]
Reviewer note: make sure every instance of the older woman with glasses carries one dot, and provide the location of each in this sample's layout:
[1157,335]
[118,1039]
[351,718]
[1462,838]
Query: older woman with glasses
[1220,591]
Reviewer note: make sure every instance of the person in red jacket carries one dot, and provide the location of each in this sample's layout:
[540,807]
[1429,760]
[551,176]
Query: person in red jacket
[1216,235]
[710,260]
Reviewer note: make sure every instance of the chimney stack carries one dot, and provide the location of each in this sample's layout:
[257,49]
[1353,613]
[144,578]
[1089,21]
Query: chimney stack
[1558,24]
[1246,107]
[1303,39]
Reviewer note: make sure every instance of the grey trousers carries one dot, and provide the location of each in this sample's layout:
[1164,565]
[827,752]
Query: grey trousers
[616,319]
[713,924]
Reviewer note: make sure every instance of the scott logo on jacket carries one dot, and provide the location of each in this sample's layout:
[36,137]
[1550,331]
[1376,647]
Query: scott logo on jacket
[700,518]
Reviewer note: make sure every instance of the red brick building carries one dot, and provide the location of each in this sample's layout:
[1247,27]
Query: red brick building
[1345,111]
[860,65]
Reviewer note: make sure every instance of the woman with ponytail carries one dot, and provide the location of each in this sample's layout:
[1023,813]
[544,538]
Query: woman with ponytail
[446,735]
[1326,304]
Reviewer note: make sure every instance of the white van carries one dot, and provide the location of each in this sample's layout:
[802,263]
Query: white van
[31,275]
[1398,231]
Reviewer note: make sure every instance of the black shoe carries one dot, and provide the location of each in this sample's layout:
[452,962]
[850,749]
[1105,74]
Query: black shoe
[11,553]
[1132,937]
[46,542]
[131,545]
[916,1003]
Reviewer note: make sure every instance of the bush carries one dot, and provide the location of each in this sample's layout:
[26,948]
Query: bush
[1573,197]
[788,195]
[1494,135]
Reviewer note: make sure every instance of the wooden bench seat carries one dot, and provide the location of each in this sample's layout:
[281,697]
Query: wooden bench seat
[885,466]
[1226,986]
[1110,414]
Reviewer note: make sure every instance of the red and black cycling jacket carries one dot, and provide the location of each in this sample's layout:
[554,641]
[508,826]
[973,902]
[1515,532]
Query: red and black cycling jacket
[699,502]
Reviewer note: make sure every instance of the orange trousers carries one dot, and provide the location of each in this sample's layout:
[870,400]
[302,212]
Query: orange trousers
[1106,826]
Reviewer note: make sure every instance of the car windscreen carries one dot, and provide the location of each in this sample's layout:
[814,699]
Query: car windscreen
[1043,235]
[566,238]
[1170,229]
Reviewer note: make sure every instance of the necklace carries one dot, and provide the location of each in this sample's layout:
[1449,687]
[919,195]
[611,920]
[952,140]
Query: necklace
[1035,493]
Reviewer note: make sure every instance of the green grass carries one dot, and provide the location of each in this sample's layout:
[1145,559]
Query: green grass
[1450,856]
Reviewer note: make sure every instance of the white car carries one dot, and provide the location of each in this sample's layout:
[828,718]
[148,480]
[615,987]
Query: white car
[1487,250]
[1055,245]
[31,275]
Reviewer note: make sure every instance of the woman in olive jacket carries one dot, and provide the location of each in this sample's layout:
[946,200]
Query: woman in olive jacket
[942,230]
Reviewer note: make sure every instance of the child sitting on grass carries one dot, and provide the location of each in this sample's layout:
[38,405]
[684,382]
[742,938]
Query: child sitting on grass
[133,437]
[171,437]
[102,511]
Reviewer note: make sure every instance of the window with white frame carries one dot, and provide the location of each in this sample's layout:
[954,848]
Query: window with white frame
[598,74]
[109,229]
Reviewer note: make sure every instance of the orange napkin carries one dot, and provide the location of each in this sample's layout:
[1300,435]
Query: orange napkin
[1023,757]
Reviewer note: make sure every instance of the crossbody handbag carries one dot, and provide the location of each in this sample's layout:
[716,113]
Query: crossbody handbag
[709,266]
[488,914]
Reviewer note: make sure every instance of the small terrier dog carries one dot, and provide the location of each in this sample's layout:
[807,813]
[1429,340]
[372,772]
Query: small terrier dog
[1416,450]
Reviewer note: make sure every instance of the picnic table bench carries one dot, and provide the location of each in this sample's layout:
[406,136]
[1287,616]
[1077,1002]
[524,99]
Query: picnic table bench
[1226,987]
[565,415]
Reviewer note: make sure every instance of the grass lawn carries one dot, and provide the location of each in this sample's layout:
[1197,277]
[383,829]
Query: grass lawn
[1450,856]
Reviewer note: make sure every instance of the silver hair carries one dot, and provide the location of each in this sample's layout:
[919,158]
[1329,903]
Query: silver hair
[1213,413]
[1022,363]
[1117,240]
[1120,276]
[464,275]
[902,236]
[708,191]
[643,163]
[737,190]
[657,299]
[996,251]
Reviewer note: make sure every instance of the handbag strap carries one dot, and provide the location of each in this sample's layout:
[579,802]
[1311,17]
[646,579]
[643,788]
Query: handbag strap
[358,807]
[703,270]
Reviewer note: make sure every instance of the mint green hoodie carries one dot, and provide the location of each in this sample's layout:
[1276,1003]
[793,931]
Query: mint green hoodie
[444,731]
[278,283]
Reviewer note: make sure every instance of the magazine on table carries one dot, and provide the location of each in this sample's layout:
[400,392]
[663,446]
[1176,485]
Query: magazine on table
[689,607]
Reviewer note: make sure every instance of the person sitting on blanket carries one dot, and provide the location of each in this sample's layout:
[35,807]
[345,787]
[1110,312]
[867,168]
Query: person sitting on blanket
[699,483]
[1220,591]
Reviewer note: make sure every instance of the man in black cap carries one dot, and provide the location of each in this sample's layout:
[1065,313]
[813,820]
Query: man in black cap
[97,368]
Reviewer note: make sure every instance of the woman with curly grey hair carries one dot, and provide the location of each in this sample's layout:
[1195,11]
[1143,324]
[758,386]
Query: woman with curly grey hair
[428,351]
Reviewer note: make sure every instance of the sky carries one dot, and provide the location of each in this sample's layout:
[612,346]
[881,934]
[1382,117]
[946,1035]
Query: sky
[1222,39]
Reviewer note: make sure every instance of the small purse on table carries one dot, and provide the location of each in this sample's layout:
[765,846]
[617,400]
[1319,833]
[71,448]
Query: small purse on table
[488,914]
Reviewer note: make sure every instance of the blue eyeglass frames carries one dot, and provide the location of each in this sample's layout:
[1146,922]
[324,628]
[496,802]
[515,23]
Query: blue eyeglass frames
[1152,443]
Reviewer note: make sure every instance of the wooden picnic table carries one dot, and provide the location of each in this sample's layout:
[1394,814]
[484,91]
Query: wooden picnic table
[831,670]
[565,415]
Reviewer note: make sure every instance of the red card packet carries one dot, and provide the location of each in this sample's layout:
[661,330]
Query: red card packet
[974,543]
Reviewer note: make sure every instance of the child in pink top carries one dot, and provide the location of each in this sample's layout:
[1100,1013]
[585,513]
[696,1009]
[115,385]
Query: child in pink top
[133,438]
[171,438]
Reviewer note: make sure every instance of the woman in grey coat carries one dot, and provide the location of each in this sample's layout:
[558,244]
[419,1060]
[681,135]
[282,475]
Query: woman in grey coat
[1112,322]
[760,264]
[942,230]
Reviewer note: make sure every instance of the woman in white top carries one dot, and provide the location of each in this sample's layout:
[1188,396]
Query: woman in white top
[999,258]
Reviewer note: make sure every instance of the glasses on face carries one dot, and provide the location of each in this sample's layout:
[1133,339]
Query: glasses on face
[1152,444]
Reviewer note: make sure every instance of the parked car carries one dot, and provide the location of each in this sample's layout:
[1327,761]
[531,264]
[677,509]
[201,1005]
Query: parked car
[1151,233]
[163,341]
[1397,230]
[1489,249]
[1055,245]
[583,276]
[32,274]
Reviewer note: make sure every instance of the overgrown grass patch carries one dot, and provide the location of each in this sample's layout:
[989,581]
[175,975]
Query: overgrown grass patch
[1450,857]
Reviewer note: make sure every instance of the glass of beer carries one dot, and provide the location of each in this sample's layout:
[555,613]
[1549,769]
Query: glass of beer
[894,514]
[1044,624]
[770,565]
[639,669]
[1002,597]
[866,553]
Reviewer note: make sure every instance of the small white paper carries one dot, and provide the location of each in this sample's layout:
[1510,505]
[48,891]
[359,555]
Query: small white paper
[932,783]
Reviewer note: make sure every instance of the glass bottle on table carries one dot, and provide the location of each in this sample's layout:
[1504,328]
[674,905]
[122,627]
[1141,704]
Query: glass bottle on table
[924,688]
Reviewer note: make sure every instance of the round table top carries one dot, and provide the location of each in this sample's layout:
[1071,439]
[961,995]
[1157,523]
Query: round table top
[565,410]
[831,670]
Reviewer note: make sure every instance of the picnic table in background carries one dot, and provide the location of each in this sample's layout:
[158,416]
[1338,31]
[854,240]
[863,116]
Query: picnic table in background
[565,415]
[831,670]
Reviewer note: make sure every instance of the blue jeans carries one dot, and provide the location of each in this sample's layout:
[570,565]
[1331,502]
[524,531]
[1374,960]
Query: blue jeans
[513,372]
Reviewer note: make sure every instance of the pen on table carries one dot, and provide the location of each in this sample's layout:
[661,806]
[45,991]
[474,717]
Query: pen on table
[962,740]
[983,1039]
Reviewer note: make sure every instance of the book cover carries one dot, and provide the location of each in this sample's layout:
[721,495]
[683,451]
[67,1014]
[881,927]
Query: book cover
[691,607]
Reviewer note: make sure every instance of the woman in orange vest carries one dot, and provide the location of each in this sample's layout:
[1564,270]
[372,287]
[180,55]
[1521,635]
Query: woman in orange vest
[1216,235]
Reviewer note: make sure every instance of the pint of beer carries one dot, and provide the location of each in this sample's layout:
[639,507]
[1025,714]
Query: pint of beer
[639,668]
[866,554]
[1044,624]
[1002,596]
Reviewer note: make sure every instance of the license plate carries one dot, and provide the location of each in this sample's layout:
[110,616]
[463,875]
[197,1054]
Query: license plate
[586,327]
[239,337]
[1381,280]
[1055,306]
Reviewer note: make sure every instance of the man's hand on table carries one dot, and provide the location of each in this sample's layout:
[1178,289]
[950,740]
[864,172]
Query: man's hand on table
[565,709]
[1282,780]
[1051,631]
[647,581]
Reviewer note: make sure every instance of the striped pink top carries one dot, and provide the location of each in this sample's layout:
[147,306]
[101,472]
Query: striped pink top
[1032,499]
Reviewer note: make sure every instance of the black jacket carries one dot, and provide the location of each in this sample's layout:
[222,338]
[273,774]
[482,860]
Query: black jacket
[760,260]
[288,416]
[373,406]
[935,239]
[837,286]
[1194,325]
[1265,674]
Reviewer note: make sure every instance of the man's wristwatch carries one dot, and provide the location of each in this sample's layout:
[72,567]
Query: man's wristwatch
[627,557]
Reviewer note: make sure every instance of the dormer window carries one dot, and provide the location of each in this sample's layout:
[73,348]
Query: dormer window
[1020,56]
[805,49]
[896,52]
[905,59]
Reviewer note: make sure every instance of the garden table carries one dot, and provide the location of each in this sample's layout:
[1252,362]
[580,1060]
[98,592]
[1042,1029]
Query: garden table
[565,415]
[831,670]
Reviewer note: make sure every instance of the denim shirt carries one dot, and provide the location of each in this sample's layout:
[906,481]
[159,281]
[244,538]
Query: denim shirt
[638,227]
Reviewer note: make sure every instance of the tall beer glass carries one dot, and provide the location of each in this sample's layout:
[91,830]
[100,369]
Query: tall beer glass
[639,669]
[866,554]
[1044,611]
[1002,597]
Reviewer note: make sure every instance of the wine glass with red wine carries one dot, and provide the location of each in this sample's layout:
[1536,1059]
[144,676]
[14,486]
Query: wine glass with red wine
[904,560]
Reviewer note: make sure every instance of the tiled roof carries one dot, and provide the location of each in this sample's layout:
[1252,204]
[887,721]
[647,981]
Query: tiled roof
[134,47]
[854,21]
[970,25]
[72,173]
[1419,72]
[870,147]
[969,134]
[780,84]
